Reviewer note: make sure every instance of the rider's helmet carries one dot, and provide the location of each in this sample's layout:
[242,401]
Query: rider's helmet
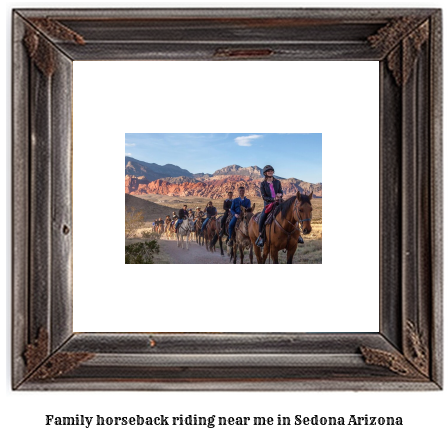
[266,168]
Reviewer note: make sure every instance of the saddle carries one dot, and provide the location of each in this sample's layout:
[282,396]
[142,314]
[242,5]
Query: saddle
[256,218]
[269,207]
[271,214]
[273,210]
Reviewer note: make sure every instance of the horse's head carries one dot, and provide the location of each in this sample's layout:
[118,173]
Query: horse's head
[249,212]
[303,211]
[218,224]
[246,215]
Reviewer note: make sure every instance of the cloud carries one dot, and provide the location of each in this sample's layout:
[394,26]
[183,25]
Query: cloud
[129,144]
[128,154]
[247,140]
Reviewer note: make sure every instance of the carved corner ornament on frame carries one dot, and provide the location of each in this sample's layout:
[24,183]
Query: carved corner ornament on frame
[406,353]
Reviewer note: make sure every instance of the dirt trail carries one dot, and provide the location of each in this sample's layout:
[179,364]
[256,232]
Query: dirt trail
[310,253]
[195,254]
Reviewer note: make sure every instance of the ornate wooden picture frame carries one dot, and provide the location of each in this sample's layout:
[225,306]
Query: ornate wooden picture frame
[406,353]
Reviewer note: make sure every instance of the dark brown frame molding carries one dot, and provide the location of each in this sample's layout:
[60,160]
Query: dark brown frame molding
[406,354]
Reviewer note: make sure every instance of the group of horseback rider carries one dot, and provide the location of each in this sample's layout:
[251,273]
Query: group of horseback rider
[271,192]
[177,219]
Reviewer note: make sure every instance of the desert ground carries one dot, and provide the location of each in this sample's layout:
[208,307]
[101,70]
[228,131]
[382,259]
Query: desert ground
[161,205]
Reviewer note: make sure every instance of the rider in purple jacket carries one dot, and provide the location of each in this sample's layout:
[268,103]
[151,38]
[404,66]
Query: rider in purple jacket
[271,191]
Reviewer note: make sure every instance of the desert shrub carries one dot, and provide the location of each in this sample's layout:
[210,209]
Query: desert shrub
[134,220]
[141,252]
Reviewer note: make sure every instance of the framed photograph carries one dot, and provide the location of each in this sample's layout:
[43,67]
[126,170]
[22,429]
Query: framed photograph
[169,207]
[168,326]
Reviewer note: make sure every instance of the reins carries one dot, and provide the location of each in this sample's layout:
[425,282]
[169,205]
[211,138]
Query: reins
[296,210]
[299,229]
[247,225]
[187,228]
[241,231]
[288,234]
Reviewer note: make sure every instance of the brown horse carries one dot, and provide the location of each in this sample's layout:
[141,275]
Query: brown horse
[293,217]
[216,237]
[211,232]
[241,239]
[169,228]
[159,228]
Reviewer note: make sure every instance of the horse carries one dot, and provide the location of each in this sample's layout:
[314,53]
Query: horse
[160,228]
[283,232]
[225,232]
[241,239]
[191,216]
[211,232]
[184,229]
[169,229]
[216,236]
[197,230]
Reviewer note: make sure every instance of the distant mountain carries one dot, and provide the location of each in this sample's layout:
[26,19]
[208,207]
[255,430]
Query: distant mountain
[202,175]
[234,169]
[252,171]
[153,171]
[305,186]
[179,179]
[217,187]
[144,178]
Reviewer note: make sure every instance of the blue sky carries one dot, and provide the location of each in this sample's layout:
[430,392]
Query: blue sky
[291,155]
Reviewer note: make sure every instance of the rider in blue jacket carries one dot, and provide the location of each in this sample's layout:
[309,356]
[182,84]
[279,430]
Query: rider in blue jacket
[235,210]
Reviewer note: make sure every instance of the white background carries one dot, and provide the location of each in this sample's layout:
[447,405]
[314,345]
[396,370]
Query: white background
[114,98]
[424,414]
